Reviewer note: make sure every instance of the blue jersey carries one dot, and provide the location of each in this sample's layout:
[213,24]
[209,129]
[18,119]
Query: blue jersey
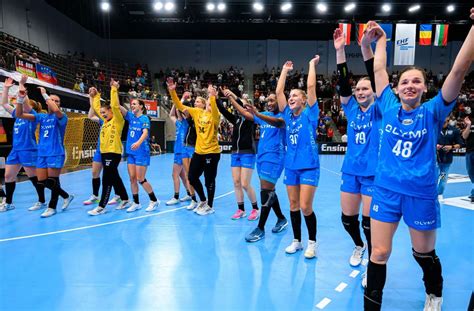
[51,136]
[101,122]
[181,130]
[301,134]
[407,157]
[136,125]
[363,137]
[271,146]
[24,137]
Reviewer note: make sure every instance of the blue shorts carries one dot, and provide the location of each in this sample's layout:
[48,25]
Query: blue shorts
[418,213]
[188,152]
[139,160]
[245,160]
[357,184]
[178,158]
[50,162]
[97,156]
[302,177]
[26,158]
[269,171]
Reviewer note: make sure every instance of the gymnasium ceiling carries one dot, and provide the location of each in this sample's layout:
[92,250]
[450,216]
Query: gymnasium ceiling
[190,19]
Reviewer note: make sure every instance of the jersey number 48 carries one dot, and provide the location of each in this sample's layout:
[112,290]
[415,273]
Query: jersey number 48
[403,148]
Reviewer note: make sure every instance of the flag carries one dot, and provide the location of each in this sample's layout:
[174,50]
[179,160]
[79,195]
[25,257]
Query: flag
[425,34]
[346,31]
[441,37]
[387,28]
[405,40]
[46,74]
[3,134]
[360,32]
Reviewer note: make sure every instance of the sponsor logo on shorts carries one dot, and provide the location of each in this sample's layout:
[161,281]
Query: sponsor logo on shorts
[424,222]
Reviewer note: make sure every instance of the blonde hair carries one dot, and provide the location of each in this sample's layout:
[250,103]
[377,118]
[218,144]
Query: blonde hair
[302,93]
[35,105]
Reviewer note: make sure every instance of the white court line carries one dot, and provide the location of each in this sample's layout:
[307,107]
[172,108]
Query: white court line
[102,224]
[365,262]
[354,273]
[323,303]
[340,287]
[337,173]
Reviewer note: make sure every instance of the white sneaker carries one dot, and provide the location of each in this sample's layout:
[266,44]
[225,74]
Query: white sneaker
[92,200]
[433,303]
[205,210]
[48,212]
[294,247]
[6,207]
[67,202]
[311,249]
[152,206]
[440,198]
[3,201]
[116,199]
[37,206]
[186,198]
[357,255]
[123,204]
[134,207]
[191,205]
[97,211]
[173,201]
[199,206]
[364,279]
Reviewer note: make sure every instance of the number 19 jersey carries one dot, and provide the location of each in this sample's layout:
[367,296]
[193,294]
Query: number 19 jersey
[407,157]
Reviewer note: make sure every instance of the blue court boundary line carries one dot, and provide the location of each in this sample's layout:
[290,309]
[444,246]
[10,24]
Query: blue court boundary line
[102,224]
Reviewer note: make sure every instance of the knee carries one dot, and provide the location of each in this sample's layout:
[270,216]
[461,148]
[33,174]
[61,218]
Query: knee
[307,210]
[380,254]
[237,184]
[294,205]
[246,185]
[133,179]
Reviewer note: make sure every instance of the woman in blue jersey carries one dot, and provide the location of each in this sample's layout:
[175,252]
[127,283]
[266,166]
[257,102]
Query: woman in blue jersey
[270,158]
[138,152]
[358,169]
[24,151]
[51,153]
[406,175]
[300,113]
[178,170]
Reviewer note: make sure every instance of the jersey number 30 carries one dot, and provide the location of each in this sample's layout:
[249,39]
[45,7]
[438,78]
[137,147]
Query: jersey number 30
[405,150]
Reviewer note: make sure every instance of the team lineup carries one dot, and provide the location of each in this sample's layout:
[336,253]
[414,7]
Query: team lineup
[390,167]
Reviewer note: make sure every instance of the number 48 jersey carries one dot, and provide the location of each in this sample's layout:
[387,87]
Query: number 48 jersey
[407,156]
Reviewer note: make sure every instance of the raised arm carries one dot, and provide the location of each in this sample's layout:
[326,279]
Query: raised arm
[174,97]
[467,129]
[237,106]
[280,90]
[94,100]
[212,99]
[19,113]
[368,57]
[6,87]
[22,89]
[452,84]
[172,114]
[277,122]
[311,84]
[53,107]
[345,90]
[117,109]
[91,113]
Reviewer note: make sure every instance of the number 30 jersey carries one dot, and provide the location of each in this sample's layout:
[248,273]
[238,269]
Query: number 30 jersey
[407,157]
[301,134]
[362,139]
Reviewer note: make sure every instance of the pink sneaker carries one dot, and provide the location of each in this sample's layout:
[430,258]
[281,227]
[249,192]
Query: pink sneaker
[238,214]
[254,215]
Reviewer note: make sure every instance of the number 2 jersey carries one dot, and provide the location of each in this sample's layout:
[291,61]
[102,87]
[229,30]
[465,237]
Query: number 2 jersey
[301,134]
[407,156]
[363,139]
[51,136]
[136,125]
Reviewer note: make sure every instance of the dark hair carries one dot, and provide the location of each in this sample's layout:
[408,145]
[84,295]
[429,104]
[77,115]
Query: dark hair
[141,103]
[105,105]
[423,72]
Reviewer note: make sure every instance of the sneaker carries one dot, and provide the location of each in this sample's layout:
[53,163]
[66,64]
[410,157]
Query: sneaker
[280,225]
[92,200]
[173,201]
[364,280]
[311,249]
[97,211]
[256,235]
[48,212]
[238,214]
[6,207]
[134,207]
[153,205]
[67,202]
[191,205]
[357,255]
[3,201]
[123,204]
[199,206]
[440,198]
[186,198]
[205,210]
[37,206]
[254,214]
[294,247]
[116,199]
[433,303]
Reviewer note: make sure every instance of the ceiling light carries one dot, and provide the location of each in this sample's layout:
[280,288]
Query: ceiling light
[258,7]
[169,6]
[322,7]
[221,7]
[386,7]
[158,6]
[105,6]
[414,8]
[450,8]
[210,6]
[350,7]
[285,7]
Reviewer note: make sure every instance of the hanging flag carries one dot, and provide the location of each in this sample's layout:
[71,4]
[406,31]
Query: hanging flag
[425,34]
[388,29]
[360,32]
[405,40]
[346,30]
[46,74]
[441,36]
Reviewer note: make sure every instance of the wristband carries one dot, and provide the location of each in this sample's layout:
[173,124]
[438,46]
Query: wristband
[20,99]
[45,96]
